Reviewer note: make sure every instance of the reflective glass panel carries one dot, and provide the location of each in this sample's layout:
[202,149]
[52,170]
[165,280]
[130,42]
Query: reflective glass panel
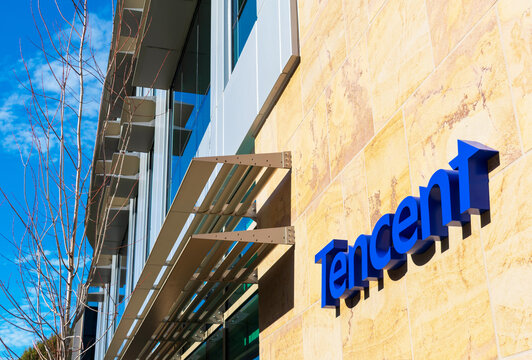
[243,332]
[244,16]
[190,103]
[212,349]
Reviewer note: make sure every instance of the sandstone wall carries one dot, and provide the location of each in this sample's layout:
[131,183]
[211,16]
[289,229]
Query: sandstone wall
[383,91]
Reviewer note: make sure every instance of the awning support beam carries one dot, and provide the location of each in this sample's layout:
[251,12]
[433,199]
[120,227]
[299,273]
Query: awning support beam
[279,236]
[281,160]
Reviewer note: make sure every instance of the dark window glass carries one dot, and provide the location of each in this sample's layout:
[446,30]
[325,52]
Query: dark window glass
[241,335]
[237,294]
[243,17]
[212,349]
[190,103]
[243,332]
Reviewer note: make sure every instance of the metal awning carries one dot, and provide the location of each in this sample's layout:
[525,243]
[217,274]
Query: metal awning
[101,268]
[118,179]
[111,137]
[130,24]
[119,79]
[224,261]
[138,109]
[123,176]
[99,296]
[163,32]
[116,227]
[117,86]
[138,124]
[185,282]
[102,276]
[96,296]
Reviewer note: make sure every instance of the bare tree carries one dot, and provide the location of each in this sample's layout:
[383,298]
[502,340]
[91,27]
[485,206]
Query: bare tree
[49,237]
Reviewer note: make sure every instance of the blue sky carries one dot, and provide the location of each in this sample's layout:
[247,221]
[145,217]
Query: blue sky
[17,30]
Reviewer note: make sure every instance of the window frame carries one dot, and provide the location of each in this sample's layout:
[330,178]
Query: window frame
[232,24]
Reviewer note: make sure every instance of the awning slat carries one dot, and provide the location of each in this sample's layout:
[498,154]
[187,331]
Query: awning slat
[216,277]
[228,189]
[212,259]
[210,262]
[217,298]
[220,272]
[200,297]
[222,175]
[211,307]
[268,173]
[242,190]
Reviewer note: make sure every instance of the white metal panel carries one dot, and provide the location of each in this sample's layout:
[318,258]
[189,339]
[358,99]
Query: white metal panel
[141,218]
[112,298]
[205,149]
[268,49]
[218,118]
[160,166]
[240,96]
[105,322]
[267,59]
[98,346]
[130,250]
[217,48]
[259,6]
[289,38]
[227,54]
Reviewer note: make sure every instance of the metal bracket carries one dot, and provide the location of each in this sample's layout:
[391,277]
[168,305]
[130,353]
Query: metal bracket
[281,160]
[198,336]
[252,279]
[250,212]
[216,318]
[281,236]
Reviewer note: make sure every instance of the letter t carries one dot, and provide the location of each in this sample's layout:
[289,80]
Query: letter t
[325,257]
[472,165]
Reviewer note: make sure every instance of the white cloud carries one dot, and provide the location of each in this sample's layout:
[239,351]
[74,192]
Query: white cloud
[17,134]
[16,128]
[14,337]
[25,258]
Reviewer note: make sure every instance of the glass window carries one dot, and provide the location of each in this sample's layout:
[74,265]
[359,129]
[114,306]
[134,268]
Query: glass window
[241,336]
[237,294]
[190,104]
[212,349]
[243,332]
[243,17]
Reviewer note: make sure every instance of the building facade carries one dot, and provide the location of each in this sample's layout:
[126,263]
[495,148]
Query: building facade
[238,138]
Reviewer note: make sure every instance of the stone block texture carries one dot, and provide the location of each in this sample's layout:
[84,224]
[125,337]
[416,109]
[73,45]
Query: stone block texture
[382,93]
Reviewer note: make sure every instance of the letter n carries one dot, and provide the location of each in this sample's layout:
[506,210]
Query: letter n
[359,266]
[440,205]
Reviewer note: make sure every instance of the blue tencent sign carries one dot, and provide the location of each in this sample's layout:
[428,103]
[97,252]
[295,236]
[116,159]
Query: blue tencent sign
[448,200]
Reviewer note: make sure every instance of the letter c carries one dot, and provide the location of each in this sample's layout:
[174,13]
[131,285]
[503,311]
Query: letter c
[406,229]
[381,251]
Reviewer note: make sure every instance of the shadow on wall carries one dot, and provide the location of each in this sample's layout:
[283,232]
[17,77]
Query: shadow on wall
[276,286]
[417,259]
